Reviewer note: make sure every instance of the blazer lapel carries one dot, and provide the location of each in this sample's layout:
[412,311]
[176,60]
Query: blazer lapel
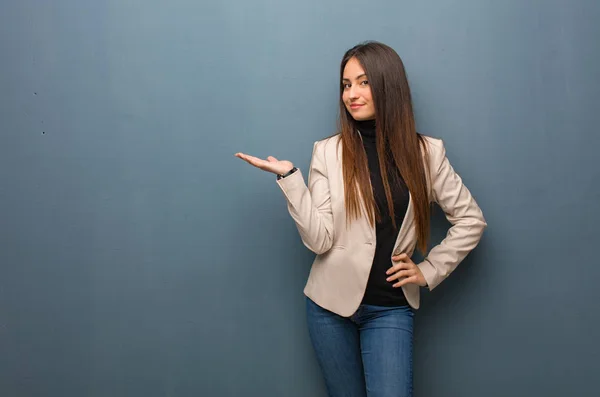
[407,223]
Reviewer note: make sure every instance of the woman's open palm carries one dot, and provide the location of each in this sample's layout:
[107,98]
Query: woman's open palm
[271,164]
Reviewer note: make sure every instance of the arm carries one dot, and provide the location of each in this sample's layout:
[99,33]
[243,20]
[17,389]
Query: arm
[461,211]
[310,207]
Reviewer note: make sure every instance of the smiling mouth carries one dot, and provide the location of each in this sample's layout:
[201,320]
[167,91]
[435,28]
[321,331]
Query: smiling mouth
[355,106]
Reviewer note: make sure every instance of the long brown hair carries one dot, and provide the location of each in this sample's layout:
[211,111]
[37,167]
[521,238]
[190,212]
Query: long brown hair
[398,143]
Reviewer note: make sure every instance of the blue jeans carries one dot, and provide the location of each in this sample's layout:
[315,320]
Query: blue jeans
[366,355]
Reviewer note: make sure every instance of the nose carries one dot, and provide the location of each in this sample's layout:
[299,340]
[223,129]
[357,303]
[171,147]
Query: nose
[353,93]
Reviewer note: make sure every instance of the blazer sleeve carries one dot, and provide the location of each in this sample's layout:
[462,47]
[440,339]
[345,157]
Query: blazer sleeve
[462,212]
[310,206]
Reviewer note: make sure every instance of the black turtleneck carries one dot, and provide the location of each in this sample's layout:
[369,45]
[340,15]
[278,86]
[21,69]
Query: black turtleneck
[379,291]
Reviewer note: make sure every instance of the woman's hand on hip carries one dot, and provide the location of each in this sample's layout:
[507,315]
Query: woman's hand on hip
[404,271]
[271,164]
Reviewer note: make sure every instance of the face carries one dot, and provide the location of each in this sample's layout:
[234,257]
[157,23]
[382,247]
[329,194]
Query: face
[357,92]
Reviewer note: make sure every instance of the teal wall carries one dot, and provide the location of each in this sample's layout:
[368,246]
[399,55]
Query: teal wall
[139,257]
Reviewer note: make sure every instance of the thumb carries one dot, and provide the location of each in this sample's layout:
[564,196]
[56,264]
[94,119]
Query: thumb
[272,159]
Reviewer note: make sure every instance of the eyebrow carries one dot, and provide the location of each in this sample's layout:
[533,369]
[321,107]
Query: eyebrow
[357,77]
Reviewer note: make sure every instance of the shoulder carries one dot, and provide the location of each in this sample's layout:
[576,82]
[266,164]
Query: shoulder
[333,139]
[329,144]
[435,151]
[434,146]
[434,154]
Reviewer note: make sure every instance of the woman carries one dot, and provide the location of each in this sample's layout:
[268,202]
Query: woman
[365,209]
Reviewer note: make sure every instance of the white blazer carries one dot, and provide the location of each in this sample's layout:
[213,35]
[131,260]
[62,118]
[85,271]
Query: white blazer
[340,271]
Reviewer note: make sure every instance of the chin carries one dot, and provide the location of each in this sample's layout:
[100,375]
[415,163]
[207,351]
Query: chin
[359,117]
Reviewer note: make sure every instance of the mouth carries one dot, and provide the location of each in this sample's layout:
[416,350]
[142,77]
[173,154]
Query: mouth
[355,106]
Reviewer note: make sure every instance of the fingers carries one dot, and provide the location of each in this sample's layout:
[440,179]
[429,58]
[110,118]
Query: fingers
[255,161]
[399,266]
[401,273]
[400,257]
[407,280]
[247,157]
[412,275]
[403,270]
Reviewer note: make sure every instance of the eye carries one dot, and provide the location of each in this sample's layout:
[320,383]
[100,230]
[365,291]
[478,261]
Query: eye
[364,82]
[346,85]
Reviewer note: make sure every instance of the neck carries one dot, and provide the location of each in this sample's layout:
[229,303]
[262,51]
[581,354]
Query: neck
[367,128]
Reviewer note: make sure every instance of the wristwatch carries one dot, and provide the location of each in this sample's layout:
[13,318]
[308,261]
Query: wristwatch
[290,172]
